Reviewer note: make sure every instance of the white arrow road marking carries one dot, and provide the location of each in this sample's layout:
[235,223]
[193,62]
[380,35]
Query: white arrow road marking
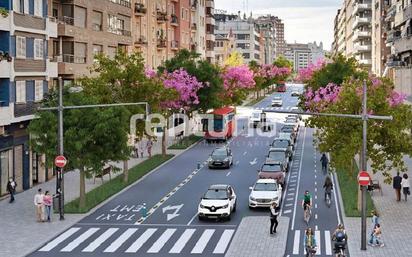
[175,213]
[253,162]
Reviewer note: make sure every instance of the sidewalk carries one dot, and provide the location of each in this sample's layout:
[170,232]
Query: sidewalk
[395,221]
[21,234]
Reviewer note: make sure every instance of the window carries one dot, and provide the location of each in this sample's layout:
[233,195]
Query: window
[38,90]
[38,49]
[80,52]
[20,47]
[16,5]
[20,91]
[97,21]
[111,23]
[111,51]
[38,8]
[97,49]
[26,6]
[246,55]
[80,17]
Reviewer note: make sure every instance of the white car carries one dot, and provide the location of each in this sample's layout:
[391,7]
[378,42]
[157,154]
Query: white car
[277,101]
[264,193]
[218,202]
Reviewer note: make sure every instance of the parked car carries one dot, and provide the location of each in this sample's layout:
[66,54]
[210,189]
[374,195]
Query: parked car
[295,93]
[276,155]
[292,122]
[255,119]
[296,109]
[272,170]
[264,193]
[289,130]
[219,201]
[283,144]
[293,116]
[277,101]
[221,157]
[288,136]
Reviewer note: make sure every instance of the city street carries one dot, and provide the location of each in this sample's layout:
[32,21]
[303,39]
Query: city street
[172,194]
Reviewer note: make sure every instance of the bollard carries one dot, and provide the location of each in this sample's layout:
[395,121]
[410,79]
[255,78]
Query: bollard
[143,211]
[198,165]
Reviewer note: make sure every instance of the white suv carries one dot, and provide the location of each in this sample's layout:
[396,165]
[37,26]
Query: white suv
[264,193]
[218,202]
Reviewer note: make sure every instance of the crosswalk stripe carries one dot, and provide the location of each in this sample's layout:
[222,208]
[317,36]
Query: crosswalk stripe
[141,240]
[203,240]
[182,241]
[317,237]
[296,243]
[120,240]
[158,245]
[328,247]
[287,211]
[58,240]
[100,240]
[75,243]
[224,241]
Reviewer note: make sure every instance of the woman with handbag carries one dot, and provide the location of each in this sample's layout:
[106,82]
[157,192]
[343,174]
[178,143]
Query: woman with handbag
[405,186]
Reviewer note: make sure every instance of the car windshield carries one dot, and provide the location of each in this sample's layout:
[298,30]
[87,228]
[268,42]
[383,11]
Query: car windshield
[277,98]
[271,168]
[219,152]
[265,187]
[220,194]
[280,144]
[276,156]
[287,130]
[256,115]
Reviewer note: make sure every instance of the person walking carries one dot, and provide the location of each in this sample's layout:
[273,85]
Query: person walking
[397,186]
[47,201]
[309,242]
[141,147]
[273,218]
[375,221]
[149,146]
[324,160]
[38,202]
[377,236]
[11,188]
[405,186]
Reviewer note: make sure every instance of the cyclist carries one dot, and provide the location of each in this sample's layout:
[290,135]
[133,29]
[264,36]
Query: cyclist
[340,237]
[306,203]
[309,243]
[324,159]
[328,186]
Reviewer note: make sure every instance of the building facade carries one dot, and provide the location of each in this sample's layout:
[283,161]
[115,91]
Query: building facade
[267,27]
[301,55]
[26,71]
[224,46]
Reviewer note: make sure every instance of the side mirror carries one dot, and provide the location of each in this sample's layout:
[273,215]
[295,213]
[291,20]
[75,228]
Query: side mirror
[258,170]
[250,188]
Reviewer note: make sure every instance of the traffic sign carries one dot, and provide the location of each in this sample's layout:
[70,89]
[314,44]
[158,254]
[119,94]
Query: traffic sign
[60,161]
[363,178]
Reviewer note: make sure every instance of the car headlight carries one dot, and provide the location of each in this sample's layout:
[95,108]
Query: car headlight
[209,160]
[201,206]
[275,199]
[252,198]
[226,159]
[225,206]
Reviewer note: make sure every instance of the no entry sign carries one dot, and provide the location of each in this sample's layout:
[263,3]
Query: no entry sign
[363,178]
[60,161]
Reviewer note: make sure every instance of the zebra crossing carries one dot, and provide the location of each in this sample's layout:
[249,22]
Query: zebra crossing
[324,246]
[274,108]
[139,239]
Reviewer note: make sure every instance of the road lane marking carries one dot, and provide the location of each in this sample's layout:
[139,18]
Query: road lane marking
[120,240]
[317,237]
[296,243]
[203,240]
[289,204]
[316,183]
[237,162]
[287,211]
[316,227]
[100,240]
[316,197]
[182,241]
[336,199]
[316,216]
[245,152]
[328,246]
[316,205]
[158,245]
[191,220]
[300,170]
[75,243]
[316,189]
[141,240]
[49,246]
[290,199]
[224,241]
[227,175]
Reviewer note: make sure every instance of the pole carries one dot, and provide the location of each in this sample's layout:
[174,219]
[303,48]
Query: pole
[364,165]
[60,176]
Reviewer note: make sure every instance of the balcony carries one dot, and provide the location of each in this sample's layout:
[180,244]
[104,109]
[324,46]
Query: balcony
[210,19]
[161,16]
[161,43]
[174,20]
[360,7]
[404,44]
[73,65]
[5,68]
[141,41]
[392,36]
[121,32]
[125,3]
[6,114]
[52,68]
[174,45]
[193,26]
[362,48]
[193,4]
[5,23]
[66,20]
[390,15]
[359,21]
[407,13]
[139,9]
[359,34]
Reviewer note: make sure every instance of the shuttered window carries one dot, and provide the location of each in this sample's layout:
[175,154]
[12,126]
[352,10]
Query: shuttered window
[38,8]
[20,91]
[20,47]
[38,90]
[38,49]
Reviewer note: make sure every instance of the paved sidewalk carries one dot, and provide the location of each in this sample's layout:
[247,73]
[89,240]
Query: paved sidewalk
[395,220]
[21,234]
[252,238]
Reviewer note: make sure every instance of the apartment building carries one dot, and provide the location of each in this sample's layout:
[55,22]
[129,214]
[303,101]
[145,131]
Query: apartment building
[334,47]
[246,32]
[301,55]
[224,46]
[87,28]
[380,50]
[26,71]
[267,25]
[361,20]
[280,37]
[198,27]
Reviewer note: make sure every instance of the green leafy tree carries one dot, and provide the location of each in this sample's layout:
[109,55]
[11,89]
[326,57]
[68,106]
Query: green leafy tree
[92,137]
[281,61]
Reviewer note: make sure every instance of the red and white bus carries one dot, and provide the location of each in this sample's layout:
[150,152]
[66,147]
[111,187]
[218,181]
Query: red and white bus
[223,126]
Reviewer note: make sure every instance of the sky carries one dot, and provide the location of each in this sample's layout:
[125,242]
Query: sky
[305,20]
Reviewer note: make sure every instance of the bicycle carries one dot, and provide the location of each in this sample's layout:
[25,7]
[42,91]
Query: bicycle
[307,214]
[327,199]
[310,251]
[324,168]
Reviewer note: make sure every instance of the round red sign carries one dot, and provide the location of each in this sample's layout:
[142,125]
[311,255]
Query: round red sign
[60,161]
[364,178]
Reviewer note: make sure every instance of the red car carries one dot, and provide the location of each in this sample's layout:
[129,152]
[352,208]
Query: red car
[273,170]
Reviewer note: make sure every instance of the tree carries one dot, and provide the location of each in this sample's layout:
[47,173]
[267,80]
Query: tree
[237,81]
[282,62]
[235,59]
[92,137]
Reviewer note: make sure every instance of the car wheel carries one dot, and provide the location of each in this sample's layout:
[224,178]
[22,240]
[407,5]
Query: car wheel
[228,217]
[200,218]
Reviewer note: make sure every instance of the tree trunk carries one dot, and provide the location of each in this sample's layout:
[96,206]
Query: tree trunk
[125,171]
[82,198]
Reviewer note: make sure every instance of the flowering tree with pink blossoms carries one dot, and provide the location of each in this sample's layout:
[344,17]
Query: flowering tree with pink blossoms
[237,81]
[306,74]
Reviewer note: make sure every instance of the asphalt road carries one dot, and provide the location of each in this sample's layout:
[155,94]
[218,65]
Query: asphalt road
[172,194]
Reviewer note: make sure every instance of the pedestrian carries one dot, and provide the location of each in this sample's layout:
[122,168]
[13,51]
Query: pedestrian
[38,202]
[273,217]
[324,160]
[149,147]
[397,186]
[375,220]
[136,148]
[377,236]
[47,201]
[405,186]
[141,147]
[11,188]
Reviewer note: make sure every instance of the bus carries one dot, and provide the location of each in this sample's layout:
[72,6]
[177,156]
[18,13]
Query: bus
[223,126]
[281,86]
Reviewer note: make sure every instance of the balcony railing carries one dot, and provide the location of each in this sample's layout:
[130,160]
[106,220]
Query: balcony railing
[361,7]
[161,16]
[161,43]
[70,58]
[361,21]
[174,44]
[362,48]
[193,4]
[125,3]
[141,40]
[174,20]
[139,9]
[122,32]
[67,20]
